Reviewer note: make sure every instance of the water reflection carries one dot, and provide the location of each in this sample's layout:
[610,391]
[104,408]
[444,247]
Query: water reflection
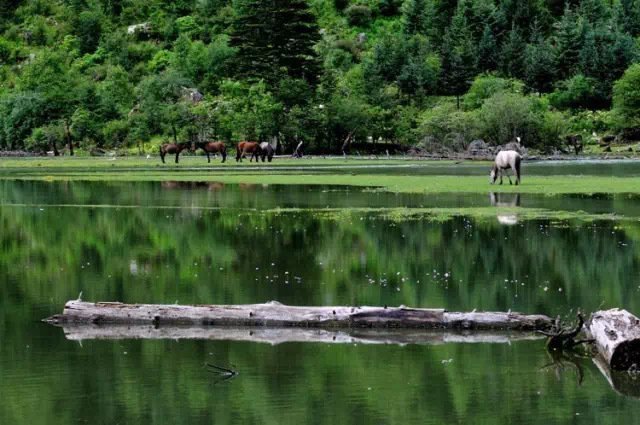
[189,185]
[58,239]
[502,200]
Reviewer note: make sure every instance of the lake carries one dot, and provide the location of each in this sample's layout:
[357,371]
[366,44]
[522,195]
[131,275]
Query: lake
[195,242]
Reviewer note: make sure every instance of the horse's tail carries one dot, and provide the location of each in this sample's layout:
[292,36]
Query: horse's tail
[518,161]
[161,153]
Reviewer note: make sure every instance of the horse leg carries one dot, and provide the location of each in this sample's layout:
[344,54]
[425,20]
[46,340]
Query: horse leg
[208,158]
[177,155]
[224,155]
[500,173]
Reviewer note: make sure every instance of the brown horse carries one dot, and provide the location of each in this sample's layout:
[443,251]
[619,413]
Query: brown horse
[173,148]
[213,147]
[248,147]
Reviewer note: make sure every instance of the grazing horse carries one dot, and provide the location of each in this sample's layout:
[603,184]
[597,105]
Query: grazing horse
[173,148]
[266,151]
[247,147]
[503,161]
[213,147]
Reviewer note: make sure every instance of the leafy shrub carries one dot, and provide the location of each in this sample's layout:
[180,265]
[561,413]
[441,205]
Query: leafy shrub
[358,15]
[485,86]
[626,98]
[578,92]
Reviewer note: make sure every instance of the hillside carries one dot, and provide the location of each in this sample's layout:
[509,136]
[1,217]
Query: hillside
[433,74]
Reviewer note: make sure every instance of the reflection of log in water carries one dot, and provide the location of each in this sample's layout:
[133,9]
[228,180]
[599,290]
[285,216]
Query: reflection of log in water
[274,336]
[274,314]
[623,382]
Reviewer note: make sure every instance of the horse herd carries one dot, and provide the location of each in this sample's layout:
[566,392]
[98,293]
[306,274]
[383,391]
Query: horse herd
[257,150]
[504,160]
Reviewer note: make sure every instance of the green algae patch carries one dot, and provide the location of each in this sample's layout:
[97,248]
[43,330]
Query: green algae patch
[503,215]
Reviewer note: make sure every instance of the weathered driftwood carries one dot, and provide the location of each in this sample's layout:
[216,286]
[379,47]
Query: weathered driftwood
[273,336]
[274,314]
[617,337]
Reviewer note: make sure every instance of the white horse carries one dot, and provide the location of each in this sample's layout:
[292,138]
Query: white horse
[505,160]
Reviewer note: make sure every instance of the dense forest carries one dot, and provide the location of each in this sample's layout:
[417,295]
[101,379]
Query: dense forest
[431,74]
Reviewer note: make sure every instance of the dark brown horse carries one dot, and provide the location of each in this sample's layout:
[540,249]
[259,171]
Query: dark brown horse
[213,147]
[173,148]
[248,147]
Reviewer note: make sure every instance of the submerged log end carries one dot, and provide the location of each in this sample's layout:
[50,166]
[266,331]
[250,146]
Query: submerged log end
[626,355]
[617,336]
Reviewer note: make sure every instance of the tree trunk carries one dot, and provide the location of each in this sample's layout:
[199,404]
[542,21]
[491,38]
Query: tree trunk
[67,135]
[617,337]
[275,314]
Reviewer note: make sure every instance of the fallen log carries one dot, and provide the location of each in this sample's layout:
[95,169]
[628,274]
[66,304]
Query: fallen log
[274,336]
[275,314]
[617,338]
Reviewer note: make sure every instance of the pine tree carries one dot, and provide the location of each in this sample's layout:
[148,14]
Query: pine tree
[459,57]
[487,51]
[539,64]
[627,15]
[275,38]
[414,17]
[512,60]
[568,40]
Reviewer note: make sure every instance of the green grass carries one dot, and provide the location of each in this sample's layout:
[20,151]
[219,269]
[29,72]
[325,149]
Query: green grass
[316,171]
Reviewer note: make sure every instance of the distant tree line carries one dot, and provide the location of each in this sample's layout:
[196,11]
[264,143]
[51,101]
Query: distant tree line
[430,73]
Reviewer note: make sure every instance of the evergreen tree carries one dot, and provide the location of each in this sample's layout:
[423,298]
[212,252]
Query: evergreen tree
[539,64]
[458,66]
[275,39]
[487,51]
[627,15]
[512,56]
[521,14]
[568,40]
[415,17]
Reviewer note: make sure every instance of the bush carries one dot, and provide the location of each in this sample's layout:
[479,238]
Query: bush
[485,86]
[505,116]
[447,126]
[340,4]
[115,133]
[626,98]
[578,92]
[358,15]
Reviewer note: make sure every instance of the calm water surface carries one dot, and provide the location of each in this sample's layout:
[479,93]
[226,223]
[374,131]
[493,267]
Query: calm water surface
[212,243]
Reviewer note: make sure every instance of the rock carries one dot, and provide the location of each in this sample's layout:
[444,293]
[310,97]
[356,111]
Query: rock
[479,147]
[191,94]
[514,146]
[142,28]
[362,38]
